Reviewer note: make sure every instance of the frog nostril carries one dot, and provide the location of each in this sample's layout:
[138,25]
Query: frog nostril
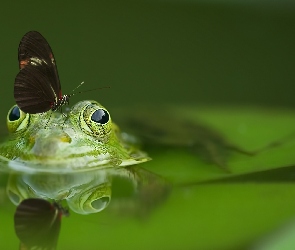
[65,138]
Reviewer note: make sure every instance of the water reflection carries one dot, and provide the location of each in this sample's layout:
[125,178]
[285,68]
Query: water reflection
[37,223]
[42,198]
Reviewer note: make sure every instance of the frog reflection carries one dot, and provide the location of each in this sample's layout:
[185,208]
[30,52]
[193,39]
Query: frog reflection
[89,192]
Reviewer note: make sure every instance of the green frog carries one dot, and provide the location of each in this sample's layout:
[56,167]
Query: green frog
[74,156]
[84,137]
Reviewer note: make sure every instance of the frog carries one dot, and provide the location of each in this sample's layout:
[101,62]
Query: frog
[83,137]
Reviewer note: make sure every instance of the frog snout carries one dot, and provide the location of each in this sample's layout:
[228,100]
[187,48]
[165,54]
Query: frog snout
[50,145]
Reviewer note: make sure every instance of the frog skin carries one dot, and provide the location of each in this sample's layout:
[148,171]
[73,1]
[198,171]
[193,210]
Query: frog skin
[83,138]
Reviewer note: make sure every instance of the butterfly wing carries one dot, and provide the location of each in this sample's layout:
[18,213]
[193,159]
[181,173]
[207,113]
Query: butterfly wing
[37,84]
[37,224]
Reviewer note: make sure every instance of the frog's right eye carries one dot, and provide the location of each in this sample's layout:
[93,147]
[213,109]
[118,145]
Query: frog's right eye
[17,120]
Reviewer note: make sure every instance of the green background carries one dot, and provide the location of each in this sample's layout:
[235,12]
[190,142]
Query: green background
[193,52]
[190,53]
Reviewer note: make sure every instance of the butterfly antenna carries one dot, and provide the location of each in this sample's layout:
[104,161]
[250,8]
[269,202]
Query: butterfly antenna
[74,93]
[105,87]
[78,86]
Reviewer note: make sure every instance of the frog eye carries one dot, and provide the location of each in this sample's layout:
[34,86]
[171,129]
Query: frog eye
[96,120]
[14,114]
[92,200]
[17,120]
[100,116]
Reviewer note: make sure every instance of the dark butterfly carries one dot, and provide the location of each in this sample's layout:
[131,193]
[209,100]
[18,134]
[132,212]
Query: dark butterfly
[37,223]
[37,88]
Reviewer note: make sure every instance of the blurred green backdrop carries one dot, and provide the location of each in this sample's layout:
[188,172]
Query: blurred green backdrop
[208,52]
[180,52]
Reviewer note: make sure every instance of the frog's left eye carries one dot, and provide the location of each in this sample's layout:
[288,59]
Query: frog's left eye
[17,120]
[96,120]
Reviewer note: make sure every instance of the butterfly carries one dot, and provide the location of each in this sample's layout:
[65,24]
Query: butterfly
[37,87]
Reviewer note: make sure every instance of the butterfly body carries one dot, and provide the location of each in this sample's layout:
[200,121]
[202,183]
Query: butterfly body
[62,100]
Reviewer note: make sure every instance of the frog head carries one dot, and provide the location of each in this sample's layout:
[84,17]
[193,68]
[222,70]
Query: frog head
[84,137]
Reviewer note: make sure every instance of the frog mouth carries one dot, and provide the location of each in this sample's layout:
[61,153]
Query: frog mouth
[62,148]
[59,153]
[67,166]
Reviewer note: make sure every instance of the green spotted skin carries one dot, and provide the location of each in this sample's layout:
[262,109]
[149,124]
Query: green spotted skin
[84,137]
